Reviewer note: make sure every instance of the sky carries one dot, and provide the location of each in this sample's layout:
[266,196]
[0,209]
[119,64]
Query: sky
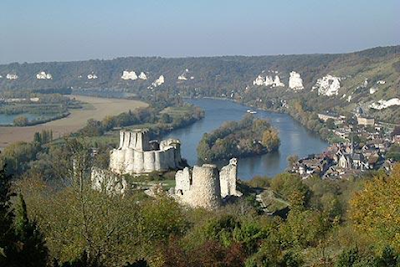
[69,30]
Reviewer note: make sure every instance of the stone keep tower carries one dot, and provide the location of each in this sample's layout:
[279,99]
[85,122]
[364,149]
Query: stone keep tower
[200,188]
[135,155]
[137,139]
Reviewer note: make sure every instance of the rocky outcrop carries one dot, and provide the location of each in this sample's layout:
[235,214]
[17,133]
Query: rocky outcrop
[382,104]
[159,81]
[373,90]
[259,81]
[11,76]
[106,181]
[204,186]
[44,76]
[129,75]
[92,76]
[328,85]
[142,76]
[182,77]
[295,81]
[135,156]
[268,81]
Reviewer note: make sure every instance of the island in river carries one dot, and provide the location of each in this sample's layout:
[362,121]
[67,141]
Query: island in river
[249,137]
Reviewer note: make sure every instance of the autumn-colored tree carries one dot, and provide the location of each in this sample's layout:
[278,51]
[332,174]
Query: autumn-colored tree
[375,210]
[21,121]
[270,139]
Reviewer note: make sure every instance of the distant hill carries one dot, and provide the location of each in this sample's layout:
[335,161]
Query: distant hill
[365,77]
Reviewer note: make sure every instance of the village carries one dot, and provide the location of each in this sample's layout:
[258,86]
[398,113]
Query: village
[364,145]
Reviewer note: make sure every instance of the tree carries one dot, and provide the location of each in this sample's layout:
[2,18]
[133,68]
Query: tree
[375,209]
[292,160]
[21,121]
[32,250]
[6,219]
[291,188]
[270,139]
[165,118]
[330,123]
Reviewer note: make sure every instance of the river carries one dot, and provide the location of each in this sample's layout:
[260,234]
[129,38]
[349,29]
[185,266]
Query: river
[295,139]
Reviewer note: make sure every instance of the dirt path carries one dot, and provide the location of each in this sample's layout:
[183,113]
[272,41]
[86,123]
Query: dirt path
[100,108]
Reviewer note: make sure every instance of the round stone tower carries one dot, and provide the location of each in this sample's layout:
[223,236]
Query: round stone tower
[205,190]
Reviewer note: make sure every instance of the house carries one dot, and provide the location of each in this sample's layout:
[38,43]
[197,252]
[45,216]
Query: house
[365,121]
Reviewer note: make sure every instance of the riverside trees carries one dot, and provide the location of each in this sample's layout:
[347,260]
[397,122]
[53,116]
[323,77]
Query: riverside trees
[250,136]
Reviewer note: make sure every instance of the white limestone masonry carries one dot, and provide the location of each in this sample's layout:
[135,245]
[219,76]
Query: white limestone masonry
[134,156]
[204,186]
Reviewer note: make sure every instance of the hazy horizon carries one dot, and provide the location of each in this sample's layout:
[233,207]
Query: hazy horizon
[44,31]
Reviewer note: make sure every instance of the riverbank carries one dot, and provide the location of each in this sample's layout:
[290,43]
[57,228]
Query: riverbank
[97,108]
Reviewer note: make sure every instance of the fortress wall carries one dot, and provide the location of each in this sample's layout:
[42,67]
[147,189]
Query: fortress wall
[177,155]
[129,160]
[121,139]
[169,158]
[148,161]
[139,140]
[117,158]
[157,160]
[228,178]
[134,154]
[138,161]
[183,181]
[205,191]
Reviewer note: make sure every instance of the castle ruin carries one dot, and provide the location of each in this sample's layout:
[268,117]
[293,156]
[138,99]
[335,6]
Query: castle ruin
[137,155]
[204,186]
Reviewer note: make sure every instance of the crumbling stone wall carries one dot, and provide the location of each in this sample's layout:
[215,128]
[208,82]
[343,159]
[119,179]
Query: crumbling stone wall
[206,187]
[105,180]
[228,178]
[200,188]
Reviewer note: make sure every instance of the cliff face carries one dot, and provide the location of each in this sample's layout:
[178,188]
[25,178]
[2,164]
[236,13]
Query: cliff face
[328,85]
[295,81]
[134,156]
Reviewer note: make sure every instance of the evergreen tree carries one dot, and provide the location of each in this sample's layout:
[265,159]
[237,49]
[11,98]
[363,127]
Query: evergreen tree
[32,250]
[6,219]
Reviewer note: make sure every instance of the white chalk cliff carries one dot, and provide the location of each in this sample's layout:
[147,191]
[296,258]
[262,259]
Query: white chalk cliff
[259,81]
[373,90]
[268,81]
[328,85]
[92,76]
[129,75]
[159,81]
[11,76]
[182,77]
[142,76]
[295,81]
[382,104]
[44,76]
